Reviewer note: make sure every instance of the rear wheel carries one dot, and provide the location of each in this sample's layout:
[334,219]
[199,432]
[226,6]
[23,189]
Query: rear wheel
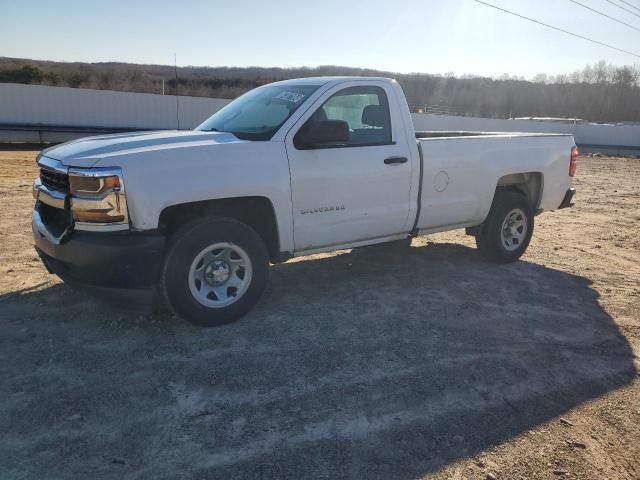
[215,271]
[506,233]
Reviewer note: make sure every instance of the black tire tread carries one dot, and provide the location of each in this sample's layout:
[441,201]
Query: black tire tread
[488,238]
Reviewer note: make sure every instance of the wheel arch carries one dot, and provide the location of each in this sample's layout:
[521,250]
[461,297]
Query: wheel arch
[530,184]
[256,211]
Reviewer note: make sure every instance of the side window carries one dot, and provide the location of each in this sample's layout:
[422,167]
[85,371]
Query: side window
[364,110]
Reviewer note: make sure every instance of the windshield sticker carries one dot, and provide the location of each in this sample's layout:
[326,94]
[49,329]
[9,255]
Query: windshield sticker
[290,96]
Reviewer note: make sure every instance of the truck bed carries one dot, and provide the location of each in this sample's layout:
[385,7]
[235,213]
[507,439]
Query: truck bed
[460,172]
[461,133]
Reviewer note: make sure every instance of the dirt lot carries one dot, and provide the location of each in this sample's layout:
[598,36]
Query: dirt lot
[391,361]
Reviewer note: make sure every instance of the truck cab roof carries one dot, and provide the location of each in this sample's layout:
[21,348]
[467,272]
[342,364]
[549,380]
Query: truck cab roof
[329,79]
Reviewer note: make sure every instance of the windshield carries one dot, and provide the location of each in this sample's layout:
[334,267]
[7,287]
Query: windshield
[258,114]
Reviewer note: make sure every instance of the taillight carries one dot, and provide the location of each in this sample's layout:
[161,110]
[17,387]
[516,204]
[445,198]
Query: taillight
[573,164]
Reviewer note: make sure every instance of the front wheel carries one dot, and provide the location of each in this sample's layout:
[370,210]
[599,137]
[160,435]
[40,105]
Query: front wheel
[505,235]
[215,271]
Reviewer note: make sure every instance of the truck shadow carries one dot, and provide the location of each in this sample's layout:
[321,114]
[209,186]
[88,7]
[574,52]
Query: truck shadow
[386,362]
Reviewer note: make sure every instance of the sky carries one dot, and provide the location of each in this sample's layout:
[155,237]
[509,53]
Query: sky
[430,36]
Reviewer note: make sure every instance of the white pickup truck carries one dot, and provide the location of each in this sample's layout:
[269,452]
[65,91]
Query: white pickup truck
[288,169]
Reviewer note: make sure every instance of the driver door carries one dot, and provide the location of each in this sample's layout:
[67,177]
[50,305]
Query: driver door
[352,190]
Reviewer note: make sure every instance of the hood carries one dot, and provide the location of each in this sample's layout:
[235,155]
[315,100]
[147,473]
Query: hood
[88,151]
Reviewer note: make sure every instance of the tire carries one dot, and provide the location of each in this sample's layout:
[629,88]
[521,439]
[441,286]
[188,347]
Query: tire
[215,271]
[507,231]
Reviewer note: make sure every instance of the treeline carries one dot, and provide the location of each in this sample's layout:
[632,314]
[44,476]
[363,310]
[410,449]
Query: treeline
[600,92]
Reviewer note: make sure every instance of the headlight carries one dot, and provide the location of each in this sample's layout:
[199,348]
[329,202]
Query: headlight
[98,199]
[83,184]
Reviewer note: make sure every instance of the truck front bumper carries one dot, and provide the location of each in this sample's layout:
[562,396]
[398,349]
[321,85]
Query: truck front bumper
[566,202]
[122,260]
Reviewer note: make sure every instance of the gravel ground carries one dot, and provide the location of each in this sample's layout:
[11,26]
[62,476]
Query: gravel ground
[394,361]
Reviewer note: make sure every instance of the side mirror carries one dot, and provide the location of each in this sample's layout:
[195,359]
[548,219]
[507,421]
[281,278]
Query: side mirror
[319,134]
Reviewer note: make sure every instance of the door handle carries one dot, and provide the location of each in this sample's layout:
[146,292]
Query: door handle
[395,160]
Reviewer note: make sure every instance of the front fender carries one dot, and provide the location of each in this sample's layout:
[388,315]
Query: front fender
[157,179]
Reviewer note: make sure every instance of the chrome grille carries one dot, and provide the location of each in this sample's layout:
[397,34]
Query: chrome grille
[54,180]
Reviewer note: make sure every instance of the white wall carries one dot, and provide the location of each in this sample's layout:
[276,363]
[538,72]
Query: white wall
[61,106]
[75,107]
[603,135]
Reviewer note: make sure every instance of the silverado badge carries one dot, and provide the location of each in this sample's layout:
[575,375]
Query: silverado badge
[322,209]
